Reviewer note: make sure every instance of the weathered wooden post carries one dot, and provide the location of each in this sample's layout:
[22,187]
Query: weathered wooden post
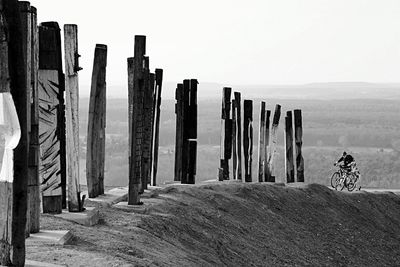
[226,134]
[179,132]
[33,216]
[157,114]
[261,143]
[239,135]
[137,83]
[192,133]
[289,166]
[185,130]
[51,111]
[267,171]
[96,137]
[147,125]
[248,138]
[234,141]
[72,116]
[14,173]
[298,132]
[274,139]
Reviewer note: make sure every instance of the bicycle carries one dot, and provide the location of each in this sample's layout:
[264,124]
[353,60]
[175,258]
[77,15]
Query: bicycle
[345,178]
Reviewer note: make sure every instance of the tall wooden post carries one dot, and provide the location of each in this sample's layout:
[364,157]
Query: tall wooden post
[234,140]
[298,132]
[274,139]
[248,138]
[226,134]
[156,131]
[192,133]
[185,123]
[72,115]
[261,143]
[96,137]
[33,216]
[14,183]
[289,166]
[137,83]
[267,171]
[239,135]
[179,132]
[147,124]
[51,111]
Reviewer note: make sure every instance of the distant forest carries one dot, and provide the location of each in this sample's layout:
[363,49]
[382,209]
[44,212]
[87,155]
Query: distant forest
[369,129]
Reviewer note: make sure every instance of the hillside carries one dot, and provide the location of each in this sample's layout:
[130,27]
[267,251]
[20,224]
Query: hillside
[234,224]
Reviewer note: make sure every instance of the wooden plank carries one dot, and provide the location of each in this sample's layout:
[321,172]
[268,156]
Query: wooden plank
[179,132]
[239,134]
[248,138]
[72,116]
[148,125]
[137,124]
[289,166]
[157,114]
[298,132]
[34,154]
[267,171]
[96,138]
[274,140]
[234,141]
[261,143]
[13,188]
[50,90]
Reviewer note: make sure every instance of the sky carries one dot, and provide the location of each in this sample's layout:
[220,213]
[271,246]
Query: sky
[239,42]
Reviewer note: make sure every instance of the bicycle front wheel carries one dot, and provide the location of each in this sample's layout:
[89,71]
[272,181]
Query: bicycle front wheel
[335,180]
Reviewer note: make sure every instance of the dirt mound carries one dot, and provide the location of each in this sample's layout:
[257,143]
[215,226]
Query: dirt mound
[236,224]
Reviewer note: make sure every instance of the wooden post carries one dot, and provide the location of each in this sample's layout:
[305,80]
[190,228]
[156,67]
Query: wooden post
[267,171]
[234,141]
[33,216]
[26,27]
[179,132]
[289,166]
[192,132]
[51,123]
[96,137]
[239,135]
[72,115]
[192,151]
[157,114]
[261,143]
[248,138]
[298,128]
[13,88]
[137,83]
[274,139]
[226,134]
[147,124]
[185,136]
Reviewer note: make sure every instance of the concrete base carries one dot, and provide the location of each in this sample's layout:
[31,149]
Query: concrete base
[111,197]
[88,217]
[29,263]
[56,237]
[141,209]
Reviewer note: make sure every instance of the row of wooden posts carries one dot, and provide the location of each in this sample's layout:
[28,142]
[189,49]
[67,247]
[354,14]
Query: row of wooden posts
[43,167]
[231,141]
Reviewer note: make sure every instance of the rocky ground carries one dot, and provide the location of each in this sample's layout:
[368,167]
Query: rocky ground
[235,224]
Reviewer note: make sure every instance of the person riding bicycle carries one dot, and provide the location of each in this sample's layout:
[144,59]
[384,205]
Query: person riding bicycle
[348,162]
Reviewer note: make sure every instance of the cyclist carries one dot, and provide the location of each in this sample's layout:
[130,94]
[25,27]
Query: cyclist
[349,164]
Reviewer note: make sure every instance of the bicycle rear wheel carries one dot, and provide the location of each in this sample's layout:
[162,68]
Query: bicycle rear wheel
[353,182]
[335,180]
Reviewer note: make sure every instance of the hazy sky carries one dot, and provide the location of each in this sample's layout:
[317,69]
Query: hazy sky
[240,42]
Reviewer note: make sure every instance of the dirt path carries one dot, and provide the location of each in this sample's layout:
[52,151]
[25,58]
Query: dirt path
[237,225]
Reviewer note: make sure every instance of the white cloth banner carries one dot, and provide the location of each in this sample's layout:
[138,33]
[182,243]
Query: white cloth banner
[11,132]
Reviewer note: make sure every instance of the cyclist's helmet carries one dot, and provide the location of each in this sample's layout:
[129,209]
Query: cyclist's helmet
[344,153]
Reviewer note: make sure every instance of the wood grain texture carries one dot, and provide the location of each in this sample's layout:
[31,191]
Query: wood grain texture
[261,143]
[267,171]
[274,139]
[289,164]
[157,115]
[226,133]
[234,141]
[298,129]
[96,138]
[179,132]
